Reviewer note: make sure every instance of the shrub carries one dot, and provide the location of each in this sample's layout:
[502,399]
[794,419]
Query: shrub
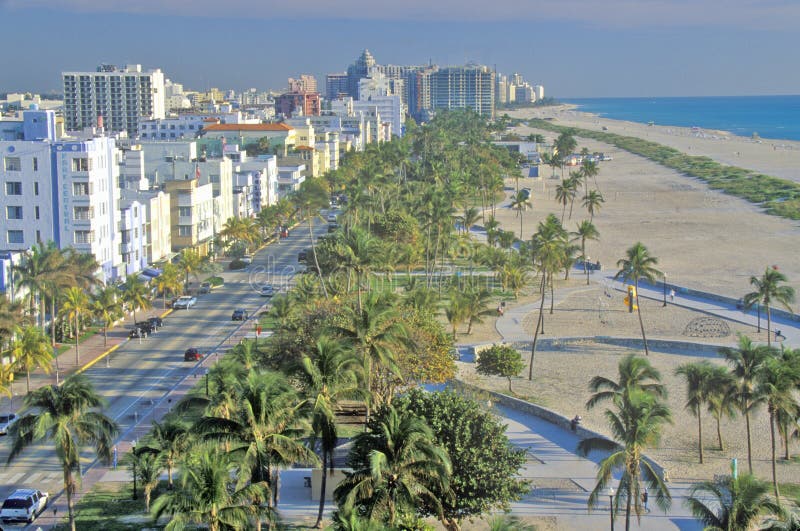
[237,264]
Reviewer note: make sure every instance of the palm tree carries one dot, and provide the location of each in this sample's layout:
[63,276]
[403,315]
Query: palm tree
[731,504]
[312,196]
[768,291]
[455,310]
[777,383]
[634,373]
[563,191]
[331,373]
[469,218]
[476,305]
[699,382]
[147,467]
[746,361]
[375,332]
[136,294]
[31,349]
[722,398]
[638,264]
[168,282]
[208,495]
[586,231]
[396,468]
[357,254]
[10,317]
[107,306]
[264,429]
[75,303]
[592,202]
[168,440]
[190,263]
[520,202]
[509,523]
[635,425]
[66,415]
[41,268]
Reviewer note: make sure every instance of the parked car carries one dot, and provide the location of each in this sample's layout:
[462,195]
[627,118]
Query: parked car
[526,193]
[205,287]
[302,256]
[24,505]
[267,290]
[6,421]
[146,326]
[192,354]
[157,322]
[184,302]
[331,218]
[332,227]
[247,259]
[137,333]
[239,315]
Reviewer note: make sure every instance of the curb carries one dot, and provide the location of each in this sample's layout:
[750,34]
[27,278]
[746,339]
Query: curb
[101,356]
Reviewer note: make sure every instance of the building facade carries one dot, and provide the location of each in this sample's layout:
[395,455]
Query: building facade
[116,98]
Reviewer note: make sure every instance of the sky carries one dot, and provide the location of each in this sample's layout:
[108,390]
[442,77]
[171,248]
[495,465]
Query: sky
[575,48]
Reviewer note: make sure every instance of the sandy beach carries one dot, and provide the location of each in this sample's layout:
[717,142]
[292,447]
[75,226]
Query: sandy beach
[703,239]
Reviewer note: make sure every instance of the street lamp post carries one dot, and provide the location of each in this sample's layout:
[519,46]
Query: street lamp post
[134,470]
[611,505]
[206,382]
[665,289]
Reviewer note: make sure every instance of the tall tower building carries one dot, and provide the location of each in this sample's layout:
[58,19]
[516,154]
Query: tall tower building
[464,87]
[358,70]
[114,98]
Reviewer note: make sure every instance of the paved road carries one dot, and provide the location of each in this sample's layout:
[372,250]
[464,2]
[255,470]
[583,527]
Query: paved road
[140,379]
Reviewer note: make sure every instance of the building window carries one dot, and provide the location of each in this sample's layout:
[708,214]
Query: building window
[36,188]
[14,188]
[35,164]
[185,211]
[81,164]
[82,213]
[13,164]
[36,212]
[84,236]
[80,189]
[135,233]
[16,236]
[14,212]
[184,230]
[38,236]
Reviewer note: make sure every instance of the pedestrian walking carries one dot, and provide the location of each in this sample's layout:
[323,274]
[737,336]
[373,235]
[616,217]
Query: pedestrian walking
[644,500]
[672,295]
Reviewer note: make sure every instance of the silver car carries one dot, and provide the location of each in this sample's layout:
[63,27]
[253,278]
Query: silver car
[184,302]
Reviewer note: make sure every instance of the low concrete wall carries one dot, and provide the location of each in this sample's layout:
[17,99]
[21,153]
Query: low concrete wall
[331,482]
[552,343]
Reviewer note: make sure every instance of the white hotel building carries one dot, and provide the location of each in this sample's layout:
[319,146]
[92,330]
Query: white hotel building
[60,190]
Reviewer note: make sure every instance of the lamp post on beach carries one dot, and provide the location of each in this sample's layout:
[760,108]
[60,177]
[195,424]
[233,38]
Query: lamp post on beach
[665,288]
[134,468]
[611,505]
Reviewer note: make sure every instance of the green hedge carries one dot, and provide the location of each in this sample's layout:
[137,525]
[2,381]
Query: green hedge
[779,197]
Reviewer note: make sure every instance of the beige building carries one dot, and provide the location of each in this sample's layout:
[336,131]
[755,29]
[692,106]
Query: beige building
[192,214]
[281,137]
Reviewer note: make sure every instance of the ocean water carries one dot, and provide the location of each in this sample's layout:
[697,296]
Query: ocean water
[774,117]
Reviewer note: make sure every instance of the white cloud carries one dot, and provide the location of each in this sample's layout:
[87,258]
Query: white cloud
[755,14]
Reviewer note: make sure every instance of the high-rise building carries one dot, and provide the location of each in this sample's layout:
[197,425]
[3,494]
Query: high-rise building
[463,87]
[358,70]
[305,83]
[114,98]
[335,86]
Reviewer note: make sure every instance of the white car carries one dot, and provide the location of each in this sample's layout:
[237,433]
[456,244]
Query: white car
[267,290]
[331,218]
[24,505]
[184,302]
[247,259]
[6,421]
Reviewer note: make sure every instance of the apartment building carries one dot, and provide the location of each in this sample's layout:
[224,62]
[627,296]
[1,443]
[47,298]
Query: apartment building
[192,213]
[65,190]
[279,136]
[117,98]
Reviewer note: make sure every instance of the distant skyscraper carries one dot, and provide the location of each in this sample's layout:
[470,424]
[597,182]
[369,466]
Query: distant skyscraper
[464,87]
[358,70]
[122,96]
[335,85]
[305,83]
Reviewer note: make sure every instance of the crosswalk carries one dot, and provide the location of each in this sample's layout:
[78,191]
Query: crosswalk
[30,478]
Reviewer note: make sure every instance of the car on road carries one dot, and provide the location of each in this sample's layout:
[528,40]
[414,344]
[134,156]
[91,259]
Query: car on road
[192,354]
[184,302]
[332,227]
[267,290]
[526,193]
[205,287]
[6,421]
[247,259]
[239,314]
[302,256]
[331,218]
[137,333]
[24,505]
[146,326]
[157,322]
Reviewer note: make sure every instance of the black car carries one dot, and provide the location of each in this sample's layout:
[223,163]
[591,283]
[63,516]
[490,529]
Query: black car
[332,227]
[146,326]
[302,256]
[192,354]
[239,315]
[137,333]
[156,322]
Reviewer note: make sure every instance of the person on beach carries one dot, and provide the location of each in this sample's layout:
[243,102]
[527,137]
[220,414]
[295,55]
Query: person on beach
[672,295]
